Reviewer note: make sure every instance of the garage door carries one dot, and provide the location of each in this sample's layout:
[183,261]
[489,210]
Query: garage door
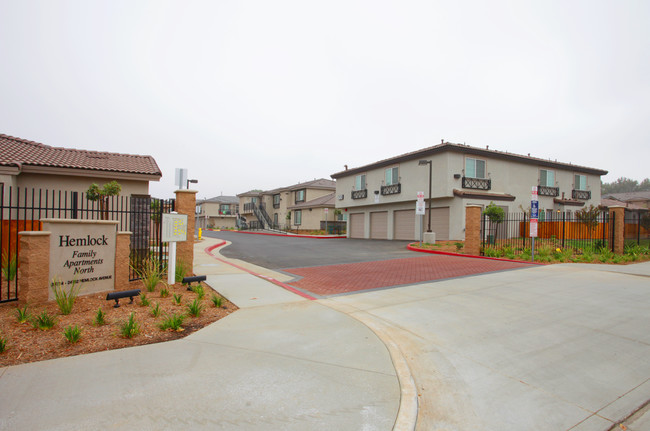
[379,225]
[404,225]
[439,222]
[356,225]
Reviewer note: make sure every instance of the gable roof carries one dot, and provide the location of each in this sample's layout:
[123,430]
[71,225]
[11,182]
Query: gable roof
[220,199]
[323,201]
[628,196]
[21,153]
[322,183]
[462,148]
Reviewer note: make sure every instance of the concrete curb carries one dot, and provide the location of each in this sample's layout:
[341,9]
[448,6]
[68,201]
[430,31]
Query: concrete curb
[408,407]
[451,253]
[209,249]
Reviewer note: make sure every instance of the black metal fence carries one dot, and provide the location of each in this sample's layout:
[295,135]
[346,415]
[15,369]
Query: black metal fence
[23,209]
[637,227]
[554,230]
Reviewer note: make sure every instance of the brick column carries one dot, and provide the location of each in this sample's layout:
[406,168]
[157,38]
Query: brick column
[619,228]
[122,260]
[186,204]
[34,267]
[473,230]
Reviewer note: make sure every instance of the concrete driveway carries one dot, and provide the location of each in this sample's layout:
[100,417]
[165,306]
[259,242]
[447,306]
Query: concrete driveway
[562,347]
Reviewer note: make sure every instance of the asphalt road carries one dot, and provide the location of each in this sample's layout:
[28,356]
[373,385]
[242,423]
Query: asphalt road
[280,252]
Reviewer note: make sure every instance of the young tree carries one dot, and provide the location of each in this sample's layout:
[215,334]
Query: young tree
[496,215]
[589,217]
[101,194]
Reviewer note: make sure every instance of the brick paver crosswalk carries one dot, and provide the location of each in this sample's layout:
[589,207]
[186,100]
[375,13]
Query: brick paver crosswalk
[352,277]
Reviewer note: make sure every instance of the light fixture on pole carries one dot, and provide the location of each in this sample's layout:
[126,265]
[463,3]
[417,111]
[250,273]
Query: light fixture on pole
[422,163]
[191,181]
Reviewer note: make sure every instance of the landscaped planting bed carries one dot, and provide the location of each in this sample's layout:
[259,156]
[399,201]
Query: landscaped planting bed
[24,343]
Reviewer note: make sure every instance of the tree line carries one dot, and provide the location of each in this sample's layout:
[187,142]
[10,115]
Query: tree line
[624,185]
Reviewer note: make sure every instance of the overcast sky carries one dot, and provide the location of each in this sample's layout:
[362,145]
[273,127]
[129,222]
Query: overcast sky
[264,94]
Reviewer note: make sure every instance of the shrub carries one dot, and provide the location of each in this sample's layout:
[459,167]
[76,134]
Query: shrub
[144,301]
[173,322]
[155,311]
[459,246]
[198,289]
[164,291]
[177,298]
[22,314]
[216,300]
[150,272]
[3,344]
[44,321]
[181,271]
[130,328]
[100,318]
[9,266]
[65,299]
[72,333]
[195,307]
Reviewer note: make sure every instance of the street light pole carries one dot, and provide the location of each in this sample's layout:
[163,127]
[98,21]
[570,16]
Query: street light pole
[422,163]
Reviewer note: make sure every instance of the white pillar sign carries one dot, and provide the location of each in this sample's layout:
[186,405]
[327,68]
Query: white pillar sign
[174,228]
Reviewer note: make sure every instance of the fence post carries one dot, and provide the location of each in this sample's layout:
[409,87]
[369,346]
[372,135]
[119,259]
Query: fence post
[122,256]
[473,229]
[186,204]
[34,267]
[617,217]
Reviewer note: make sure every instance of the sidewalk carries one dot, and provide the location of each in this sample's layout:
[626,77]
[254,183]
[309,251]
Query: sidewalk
[280,362]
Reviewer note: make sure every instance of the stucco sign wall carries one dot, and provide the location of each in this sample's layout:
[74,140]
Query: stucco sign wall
[82,250]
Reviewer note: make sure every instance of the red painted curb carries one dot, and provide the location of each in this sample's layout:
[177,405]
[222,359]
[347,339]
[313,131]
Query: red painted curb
[289,236]
[208,250]
[450,253]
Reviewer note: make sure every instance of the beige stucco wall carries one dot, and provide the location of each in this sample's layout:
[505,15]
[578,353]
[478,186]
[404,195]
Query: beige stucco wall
[508,177]
[311,219]
[78,184]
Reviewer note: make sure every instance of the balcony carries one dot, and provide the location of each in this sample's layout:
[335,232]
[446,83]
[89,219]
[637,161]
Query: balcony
[548,191]
[477,183]
[583,195]
[360,194]
[392,189]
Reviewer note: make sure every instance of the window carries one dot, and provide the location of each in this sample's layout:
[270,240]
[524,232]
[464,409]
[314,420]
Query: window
[297,217]
[546,178]
[300,195]
[474,168]
[225,209]
[392,176]
[276,201]
[275,219]
[360,182]
[580,182]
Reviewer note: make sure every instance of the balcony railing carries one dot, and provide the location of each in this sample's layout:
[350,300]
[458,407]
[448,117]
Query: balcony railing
[360,194]
[548,191]
[583,195]
[392,189]
[477,183]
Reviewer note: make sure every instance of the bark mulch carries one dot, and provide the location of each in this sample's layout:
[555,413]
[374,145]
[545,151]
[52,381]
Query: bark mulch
[26,344]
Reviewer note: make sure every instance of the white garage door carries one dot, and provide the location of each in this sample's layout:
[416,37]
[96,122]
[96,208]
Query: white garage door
[357,225]
[404,225]
[439,222]
[379,225]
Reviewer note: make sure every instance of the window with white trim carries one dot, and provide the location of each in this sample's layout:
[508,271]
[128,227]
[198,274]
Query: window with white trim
[360,182]
[392,176]
[580,182]
[546,178]
[474,168]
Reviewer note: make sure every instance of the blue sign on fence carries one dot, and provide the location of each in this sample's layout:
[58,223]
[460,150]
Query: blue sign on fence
[534,209]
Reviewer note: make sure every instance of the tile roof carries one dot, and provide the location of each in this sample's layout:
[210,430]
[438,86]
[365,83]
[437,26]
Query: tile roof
[20,152]
[323,201]
[605,202]
[321,183]
[628,196]
[466,149]
[221,200]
